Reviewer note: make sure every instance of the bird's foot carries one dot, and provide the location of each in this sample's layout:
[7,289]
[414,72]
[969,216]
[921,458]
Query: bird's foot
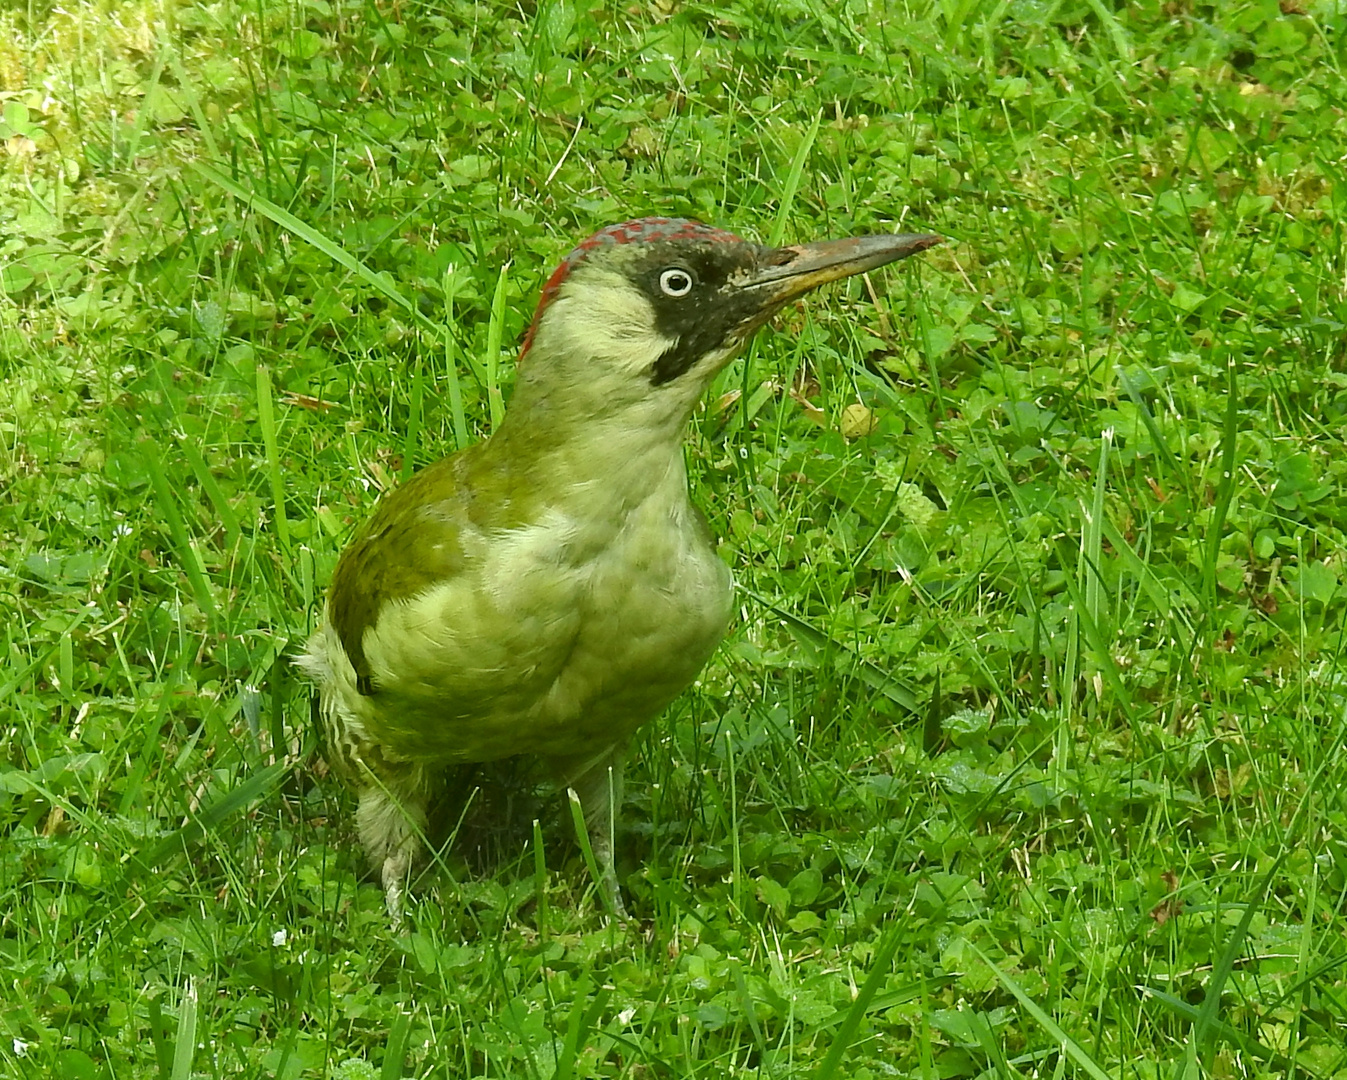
[394,876]
[612,895]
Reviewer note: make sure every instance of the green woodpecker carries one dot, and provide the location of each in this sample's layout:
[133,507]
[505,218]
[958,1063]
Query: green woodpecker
[551,589]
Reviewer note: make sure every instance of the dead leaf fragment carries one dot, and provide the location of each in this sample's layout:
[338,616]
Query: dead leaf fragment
[306,401]
[726,402]
[1171,907]
[20,146]
[55,822]
[811,411]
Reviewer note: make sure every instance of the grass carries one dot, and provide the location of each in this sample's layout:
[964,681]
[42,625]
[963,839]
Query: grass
[1022,758]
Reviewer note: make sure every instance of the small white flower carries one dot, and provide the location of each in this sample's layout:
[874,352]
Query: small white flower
[278,938]
[625,1016]
[20,1047]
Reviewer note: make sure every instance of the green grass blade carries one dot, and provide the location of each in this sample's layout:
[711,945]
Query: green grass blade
[34,667]
[736,852]
[748,1006]
[1157,591]
[583,1016]
[411,438]
[792,185]
[154,730]
[1115,29]
[1153,430]
[565,1064]
[986,1038]
[879,971]
[255,787]
[1226,488]
[229,521]
[933,730]
[1072,1048]
[266,419]
[184,1046]
[163,1049]
[869,673]
[901,995]
[1219,1029]
[587,850]
[188,557]
[1204,1027]
[143,116]
[1092,546]
[395,1049]
[1093,636]
[381,283]
[187,88]
[494,333]
[540,912]
[450,364]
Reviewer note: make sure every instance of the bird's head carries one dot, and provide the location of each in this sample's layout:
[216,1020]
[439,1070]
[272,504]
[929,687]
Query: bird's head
[646,312]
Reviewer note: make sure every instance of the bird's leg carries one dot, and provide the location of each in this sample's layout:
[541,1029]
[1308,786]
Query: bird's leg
[596,781]
[391,819]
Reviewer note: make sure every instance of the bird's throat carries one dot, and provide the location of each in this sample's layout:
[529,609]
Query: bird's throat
[596,468]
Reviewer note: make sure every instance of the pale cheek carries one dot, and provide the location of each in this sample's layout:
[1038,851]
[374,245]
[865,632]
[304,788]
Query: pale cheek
[612,325]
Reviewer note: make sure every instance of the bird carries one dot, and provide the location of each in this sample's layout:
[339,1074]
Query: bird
[552,588]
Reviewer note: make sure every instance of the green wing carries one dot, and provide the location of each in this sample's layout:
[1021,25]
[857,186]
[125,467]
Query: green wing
[413,542]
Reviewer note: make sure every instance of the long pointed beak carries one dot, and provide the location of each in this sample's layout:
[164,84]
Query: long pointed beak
[786,272]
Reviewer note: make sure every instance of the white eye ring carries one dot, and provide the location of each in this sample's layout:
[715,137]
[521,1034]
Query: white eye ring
[675,282]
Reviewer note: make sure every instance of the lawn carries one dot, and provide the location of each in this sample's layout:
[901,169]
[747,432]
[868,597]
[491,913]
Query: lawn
[1022,757]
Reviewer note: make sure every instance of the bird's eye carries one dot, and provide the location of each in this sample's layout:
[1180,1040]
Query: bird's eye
[675,282]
